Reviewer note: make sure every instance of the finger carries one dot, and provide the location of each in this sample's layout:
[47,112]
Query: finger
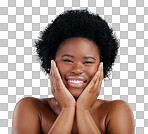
[51,72]
[101,76]
[101,70]
[54,75]
[57,76]
[99,80]
[54,78]
[96,86]
[56,71]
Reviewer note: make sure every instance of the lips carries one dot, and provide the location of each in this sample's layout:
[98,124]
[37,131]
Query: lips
[76,82]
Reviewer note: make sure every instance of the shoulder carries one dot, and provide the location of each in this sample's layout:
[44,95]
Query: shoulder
[28,103]
[26,116]
[120,118]
[117,105]
[28,100]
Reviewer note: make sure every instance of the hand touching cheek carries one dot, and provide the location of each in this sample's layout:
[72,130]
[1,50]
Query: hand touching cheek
[60,92]
[91,92]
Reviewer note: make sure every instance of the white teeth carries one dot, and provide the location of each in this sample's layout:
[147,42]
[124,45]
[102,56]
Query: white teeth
[76,81]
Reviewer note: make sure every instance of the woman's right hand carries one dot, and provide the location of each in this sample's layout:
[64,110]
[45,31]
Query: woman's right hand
[58,89]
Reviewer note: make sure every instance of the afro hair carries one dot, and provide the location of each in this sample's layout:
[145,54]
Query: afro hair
[77,23]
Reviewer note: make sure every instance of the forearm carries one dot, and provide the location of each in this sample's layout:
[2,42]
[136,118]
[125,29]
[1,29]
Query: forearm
[85,122]
[64,122]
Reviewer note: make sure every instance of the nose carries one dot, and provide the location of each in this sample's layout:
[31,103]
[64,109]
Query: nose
[77,68]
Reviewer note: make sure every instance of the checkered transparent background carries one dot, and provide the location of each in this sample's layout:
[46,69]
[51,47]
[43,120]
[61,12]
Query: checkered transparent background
[20,72]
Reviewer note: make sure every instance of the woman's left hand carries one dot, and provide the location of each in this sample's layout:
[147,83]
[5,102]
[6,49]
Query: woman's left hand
[91,92]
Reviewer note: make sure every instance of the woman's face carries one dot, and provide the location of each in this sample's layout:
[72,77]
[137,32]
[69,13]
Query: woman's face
[77,60]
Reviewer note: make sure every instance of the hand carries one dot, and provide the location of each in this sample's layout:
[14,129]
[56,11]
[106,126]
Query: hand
[58,89]
[91,92]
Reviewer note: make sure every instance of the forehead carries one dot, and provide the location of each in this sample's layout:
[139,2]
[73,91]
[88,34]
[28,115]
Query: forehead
[81,46]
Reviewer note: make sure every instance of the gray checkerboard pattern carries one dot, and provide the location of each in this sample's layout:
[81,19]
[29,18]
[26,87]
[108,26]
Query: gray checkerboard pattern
[20,72]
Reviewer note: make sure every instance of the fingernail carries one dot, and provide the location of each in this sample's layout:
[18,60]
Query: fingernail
[52,64]
[98,73]
[101,64]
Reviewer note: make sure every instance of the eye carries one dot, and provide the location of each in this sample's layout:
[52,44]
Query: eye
[66,60]
[88,62]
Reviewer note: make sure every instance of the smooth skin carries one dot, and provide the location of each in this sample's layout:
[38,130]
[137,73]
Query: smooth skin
[75,108]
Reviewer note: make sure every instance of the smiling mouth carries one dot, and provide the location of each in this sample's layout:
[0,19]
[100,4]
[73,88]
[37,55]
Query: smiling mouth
[76,81]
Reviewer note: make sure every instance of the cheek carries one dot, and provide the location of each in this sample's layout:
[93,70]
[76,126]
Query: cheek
[91,72]
[62,68]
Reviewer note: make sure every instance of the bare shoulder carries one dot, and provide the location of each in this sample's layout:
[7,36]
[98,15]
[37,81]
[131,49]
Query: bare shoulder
[118,105]
[29,103]
[26,116]
[120,118]
[29,100]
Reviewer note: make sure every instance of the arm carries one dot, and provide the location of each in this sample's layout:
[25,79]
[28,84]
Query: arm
[86,124]
[63,124]
[26,118]
[120,119]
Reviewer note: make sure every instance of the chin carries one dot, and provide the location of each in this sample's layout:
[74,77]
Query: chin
[76,92]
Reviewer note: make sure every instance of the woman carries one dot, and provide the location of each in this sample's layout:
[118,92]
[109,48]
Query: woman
[77,50]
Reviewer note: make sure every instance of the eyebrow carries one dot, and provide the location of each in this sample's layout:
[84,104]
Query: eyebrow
[67,55]
[89,57]
[86,57]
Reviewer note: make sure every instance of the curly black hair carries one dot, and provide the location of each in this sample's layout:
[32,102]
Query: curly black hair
[77,23]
